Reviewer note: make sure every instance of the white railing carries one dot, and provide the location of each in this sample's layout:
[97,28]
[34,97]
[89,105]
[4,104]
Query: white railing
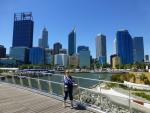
[107,100]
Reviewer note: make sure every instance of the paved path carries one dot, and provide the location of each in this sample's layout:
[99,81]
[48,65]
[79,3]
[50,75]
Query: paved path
[16,100]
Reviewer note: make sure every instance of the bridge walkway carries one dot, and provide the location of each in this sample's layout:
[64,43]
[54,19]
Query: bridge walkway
[18,100]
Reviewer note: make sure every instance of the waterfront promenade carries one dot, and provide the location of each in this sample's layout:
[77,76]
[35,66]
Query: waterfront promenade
[19,100]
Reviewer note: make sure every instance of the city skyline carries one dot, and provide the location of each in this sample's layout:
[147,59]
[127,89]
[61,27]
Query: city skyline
[87,28]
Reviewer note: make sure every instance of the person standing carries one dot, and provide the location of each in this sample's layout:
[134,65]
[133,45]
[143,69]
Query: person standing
[68,88]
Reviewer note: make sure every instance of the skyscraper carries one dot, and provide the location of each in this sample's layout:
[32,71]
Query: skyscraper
[20,53]
[23,30]
[36,55]
[63,51]
[101,53]
[2,51]
[84,59]
[114,60]
[146,58]
[72,42]
[40,42]
[48,56]
[61,59]
[124,46]
[82,48]
[138,49]
[43,42]
[57,46]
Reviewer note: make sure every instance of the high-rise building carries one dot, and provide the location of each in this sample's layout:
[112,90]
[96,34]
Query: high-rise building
[114,60]
[23,30]
[146,58]
[84,59]
[63,51]
[101,53]
[40,42]
[74,60]
[20,53]
[48,56]
[57,46]
[43,42]
[61,59]
[82,48]
[2,51]
[72,42]
[36,55]
[124,46]
[138,49]
[11,62]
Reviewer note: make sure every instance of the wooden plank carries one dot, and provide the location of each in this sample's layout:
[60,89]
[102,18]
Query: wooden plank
[15,100]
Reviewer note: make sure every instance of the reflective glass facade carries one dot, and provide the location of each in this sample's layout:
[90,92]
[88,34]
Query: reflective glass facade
[84,59]
[2,51]
[82,48]
[36,55]
[57,46]
[124,47]
[20,53]
[102,59]
[138,49]
[23,30]
[72,43]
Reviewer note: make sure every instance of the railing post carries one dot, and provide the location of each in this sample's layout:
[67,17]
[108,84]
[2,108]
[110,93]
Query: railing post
[6,78]
[39,85]
[29,81]
[130,101]
[13,80]
[21,82]
[79,93]
[63,92]
[49,84]
[100,92]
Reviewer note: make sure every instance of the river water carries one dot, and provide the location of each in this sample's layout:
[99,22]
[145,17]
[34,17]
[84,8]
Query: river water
[58,88]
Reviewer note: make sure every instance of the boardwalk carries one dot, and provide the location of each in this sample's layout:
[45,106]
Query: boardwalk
[16,100]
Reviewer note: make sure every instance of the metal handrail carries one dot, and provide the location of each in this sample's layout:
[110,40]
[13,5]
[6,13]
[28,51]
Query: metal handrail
[106,81]
[79,87]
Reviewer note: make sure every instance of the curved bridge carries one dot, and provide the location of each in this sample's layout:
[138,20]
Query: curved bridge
[88,99]
[20,100]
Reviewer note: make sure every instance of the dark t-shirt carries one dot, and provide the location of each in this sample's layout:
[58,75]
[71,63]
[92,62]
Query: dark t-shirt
[68,82]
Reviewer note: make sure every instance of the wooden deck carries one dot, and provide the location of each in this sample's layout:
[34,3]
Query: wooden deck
[16,100]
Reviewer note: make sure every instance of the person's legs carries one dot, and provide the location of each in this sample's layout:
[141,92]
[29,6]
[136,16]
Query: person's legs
[65,98]
[71,96]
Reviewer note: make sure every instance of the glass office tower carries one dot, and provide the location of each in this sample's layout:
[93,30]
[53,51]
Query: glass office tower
[101,49]
[138,49]
[20,53]
[82,48]
[56,47]
[36,55]
[84,59]
[124,46]
[2,51]
[72,42]
[23,30]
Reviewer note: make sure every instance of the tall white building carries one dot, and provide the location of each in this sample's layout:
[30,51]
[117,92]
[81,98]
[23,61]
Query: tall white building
[43,42]
[101,48]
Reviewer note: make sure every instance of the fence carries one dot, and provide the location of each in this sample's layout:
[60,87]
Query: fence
[110,97]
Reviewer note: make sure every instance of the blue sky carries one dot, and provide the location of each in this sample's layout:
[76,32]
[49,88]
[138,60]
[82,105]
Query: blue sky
[90,17]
